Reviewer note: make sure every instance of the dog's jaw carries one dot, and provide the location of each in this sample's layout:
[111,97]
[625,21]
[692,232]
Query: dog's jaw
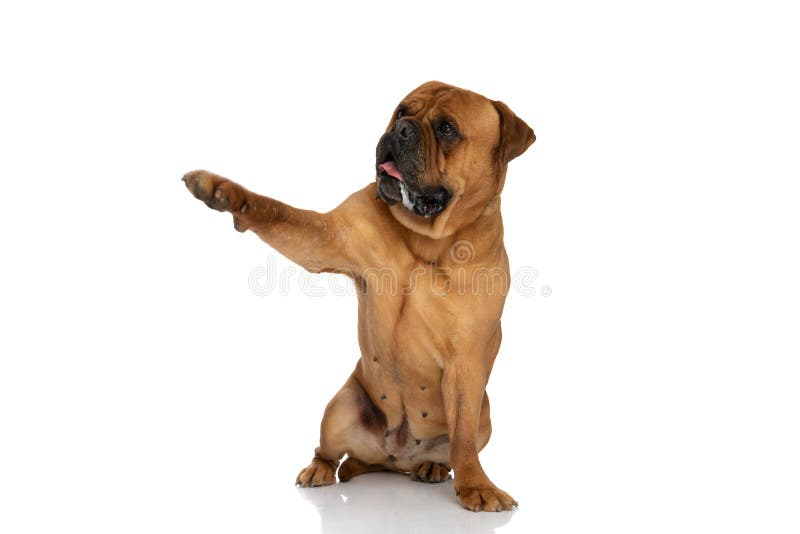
[407,202]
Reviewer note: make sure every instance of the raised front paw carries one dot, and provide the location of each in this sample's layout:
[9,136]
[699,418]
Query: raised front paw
[487,498]
[217,192]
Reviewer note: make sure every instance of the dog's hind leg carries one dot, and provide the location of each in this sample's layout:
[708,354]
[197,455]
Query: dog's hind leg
[352,425]
[353,467]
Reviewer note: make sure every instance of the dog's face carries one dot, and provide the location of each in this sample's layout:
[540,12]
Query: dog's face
[443,158]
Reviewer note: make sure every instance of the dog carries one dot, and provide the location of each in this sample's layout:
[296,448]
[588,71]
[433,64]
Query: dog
[429,227]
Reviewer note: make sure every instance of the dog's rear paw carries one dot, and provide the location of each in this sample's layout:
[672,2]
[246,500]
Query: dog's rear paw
[319,473]
[431,472]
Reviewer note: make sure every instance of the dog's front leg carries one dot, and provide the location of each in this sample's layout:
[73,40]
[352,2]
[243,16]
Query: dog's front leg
[463,387]
[312,240]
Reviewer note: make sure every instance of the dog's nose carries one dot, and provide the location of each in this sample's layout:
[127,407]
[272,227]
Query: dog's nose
[405,130]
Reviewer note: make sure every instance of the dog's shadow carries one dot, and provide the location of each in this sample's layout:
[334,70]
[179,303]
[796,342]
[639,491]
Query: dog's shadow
[389,503]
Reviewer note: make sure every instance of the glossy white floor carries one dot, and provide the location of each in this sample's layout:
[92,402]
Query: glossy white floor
[387,503]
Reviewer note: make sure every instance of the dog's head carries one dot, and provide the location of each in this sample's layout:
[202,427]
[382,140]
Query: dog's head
[443,158]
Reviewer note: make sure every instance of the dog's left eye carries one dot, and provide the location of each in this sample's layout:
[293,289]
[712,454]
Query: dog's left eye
[446,129]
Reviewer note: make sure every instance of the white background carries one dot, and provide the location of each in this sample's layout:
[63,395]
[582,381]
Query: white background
[145,388]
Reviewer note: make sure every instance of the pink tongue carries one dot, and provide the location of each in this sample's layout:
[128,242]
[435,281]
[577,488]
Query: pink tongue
[391,169]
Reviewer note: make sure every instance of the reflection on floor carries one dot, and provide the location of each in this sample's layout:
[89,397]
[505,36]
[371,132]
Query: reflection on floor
[392,503]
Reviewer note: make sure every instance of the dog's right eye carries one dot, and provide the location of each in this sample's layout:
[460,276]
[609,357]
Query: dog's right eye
[401,112]
[447,129]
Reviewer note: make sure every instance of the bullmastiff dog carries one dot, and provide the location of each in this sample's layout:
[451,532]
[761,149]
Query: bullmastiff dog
[424,246]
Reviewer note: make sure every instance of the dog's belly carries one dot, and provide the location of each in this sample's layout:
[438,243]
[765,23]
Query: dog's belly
[402,339]
[406,335]
[402,343]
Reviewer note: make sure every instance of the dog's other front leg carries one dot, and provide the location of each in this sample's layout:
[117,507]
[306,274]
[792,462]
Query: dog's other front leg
[312,240]
[467,411]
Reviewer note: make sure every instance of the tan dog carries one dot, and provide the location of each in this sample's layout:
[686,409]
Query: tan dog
[424,245]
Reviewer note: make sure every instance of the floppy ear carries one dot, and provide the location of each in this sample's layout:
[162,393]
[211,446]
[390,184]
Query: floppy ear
[515,135]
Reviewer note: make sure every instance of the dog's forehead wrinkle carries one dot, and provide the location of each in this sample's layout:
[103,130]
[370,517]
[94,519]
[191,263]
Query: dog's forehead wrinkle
[412,105]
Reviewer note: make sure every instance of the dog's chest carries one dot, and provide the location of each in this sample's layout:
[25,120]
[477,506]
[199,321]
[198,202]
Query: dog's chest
[404,328]
[408,316]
